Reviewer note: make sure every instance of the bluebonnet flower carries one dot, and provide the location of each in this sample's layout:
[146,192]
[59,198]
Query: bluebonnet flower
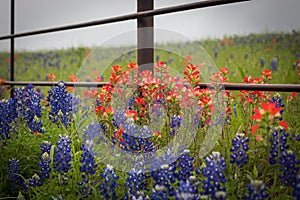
[278,100]
[289,168]
[188,190]
[216,52]
[221,195]
[44,163]
[134,138]
[278,144]
[256,190]
[213,173]
[175,123]
[7,118]
[29,108]
[295,136]
[61,103]
[85,189]
[184,165]
[135,183]
[14,178]
[234,109]
[157,58]
[34,181]
[238,150]
[109,184]
[89,165]
[63,155]
[231,56]
[296,191]
[163,178]
[159,192]
[246,56]
[262,62]
[94,134]
[274,64]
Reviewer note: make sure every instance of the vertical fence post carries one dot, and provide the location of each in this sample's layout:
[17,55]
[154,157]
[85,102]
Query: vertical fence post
[12,43]
[145,36]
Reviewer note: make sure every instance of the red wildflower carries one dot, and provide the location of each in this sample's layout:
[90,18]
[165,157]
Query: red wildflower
[117,69]
[73,78]
[99,110]
[255,127]
[259,138]
[69,88]
[266,74]
[268,109]
[51,77]
[139,101]
[131,114]
[283,124]
[293,95]
[132,66]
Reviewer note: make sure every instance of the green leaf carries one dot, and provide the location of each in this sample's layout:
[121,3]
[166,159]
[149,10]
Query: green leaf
[255,172]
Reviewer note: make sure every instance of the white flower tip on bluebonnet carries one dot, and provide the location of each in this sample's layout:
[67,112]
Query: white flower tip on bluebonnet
[109,167]
[240,135]
[89,144]
[164,166]
[192,178]
[159,187]
[186,151]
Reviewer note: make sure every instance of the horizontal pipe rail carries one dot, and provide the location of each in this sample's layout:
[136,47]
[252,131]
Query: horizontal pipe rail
[227,86]
[161,11]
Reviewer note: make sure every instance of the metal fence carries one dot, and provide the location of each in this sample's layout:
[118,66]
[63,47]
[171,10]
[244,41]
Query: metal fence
[144,15]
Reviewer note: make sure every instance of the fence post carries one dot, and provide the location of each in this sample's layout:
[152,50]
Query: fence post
[12,43]
[145,36]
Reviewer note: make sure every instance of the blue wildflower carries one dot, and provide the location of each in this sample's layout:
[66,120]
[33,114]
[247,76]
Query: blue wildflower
[135,183]
[175,123]
[289,168]
[14,178]
[234,109]
[89,165]
[163,178]
[61,103]
[256,190]
[63,155]
[213,173]
[109,184]
[187,189]
[34,181]
[8,110]
[238,150]
[159,192]
[184,165]
[216,52]
[29,108]
[45,160]
[278,144]
[262,62]
[296,191]
[274,64]
[278,100]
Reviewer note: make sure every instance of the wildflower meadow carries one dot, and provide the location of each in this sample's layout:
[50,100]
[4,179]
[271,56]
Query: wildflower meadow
[153,135]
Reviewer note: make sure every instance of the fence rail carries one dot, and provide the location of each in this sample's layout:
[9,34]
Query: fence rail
[226,86]
[160,11]
[144,15]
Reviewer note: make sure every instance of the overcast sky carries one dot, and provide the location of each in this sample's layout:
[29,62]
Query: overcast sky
[239,18]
